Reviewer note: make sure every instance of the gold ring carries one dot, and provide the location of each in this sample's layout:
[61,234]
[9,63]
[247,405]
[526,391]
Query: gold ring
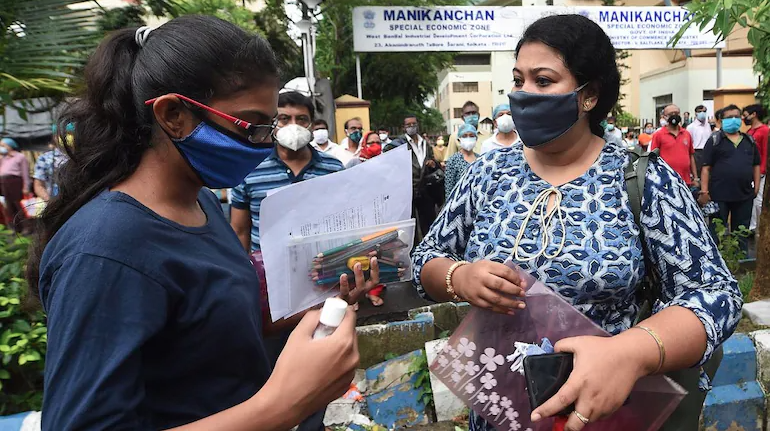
[582,418]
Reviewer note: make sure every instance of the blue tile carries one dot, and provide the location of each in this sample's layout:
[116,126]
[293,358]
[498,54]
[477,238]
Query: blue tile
[13,422]
[739,364]
[397,406]
[731,407]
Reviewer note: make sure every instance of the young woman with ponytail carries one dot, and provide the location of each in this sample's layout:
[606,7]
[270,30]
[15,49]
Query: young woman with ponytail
[154,317]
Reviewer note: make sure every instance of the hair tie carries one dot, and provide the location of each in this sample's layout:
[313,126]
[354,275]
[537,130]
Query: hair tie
[142,33]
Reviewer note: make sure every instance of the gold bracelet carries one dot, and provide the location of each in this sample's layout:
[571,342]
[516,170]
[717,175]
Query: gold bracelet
[449,287]
[661,347]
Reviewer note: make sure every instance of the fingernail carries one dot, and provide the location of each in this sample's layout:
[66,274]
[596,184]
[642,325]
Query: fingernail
[358,266]
[522,305]
[535,417]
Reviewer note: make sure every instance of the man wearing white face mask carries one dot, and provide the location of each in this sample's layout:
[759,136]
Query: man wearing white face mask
[292,161]
[321,141]
[506,131]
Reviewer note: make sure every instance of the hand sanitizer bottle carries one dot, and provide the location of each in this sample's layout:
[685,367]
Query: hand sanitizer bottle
[332,315]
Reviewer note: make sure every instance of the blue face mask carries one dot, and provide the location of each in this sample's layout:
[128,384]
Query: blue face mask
[610,127]
[731,125]
[220,158]
[472,119]
[701,116]
[3,150]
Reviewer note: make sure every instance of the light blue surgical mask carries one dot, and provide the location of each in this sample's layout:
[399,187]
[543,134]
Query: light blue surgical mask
[3,150]
[472,119]
[610,127]
[701,116]
[219,157]
[731,125]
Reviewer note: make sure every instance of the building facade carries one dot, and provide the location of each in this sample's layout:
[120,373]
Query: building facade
[655,77]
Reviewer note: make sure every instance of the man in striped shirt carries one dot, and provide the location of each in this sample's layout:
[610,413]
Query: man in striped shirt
[283,167]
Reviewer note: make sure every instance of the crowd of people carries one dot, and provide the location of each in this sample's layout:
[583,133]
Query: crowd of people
[157,318]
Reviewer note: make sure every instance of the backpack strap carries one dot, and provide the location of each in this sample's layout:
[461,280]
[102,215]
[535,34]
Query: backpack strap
[635,175]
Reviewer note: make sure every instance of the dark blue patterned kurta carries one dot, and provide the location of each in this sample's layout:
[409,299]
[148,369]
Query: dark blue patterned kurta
[601,263]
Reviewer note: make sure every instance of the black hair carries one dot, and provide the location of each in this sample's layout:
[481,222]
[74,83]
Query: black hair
[201,57]
[687,112]
[700,107]
[320,122]
[611,118]
[718,114]
[470,103]
[352,119]
[383,128]
[297,99]
[755,109]
[731,107]
[588,54]
[407,116]
[645,124]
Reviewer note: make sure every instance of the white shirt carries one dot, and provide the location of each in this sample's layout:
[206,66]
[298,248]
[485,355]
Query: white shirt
[329,146]
[420,149]
[344,155]
[700,133]
[492,144]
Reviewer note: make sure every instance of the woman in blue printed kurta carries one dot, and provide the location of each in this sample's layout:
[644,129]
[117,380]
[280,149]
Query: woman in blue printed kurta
[558,206]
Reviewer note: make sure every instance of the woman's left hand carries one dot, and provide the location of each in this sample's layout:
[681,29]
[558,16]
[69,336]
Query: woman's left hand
[351,296]
[594,395]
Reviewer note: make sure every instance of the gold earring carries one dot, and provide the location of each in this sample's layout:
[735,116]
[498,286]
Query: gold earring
[586,105]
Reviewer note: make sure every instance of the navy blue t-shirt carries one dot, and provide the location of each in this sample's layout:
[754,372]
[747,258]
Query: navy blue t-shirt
[151,324]
[732,167]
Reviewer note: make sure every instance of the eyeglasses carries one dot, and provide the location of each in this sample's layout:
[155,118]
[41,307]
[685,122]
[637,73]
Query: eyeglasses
[258,133]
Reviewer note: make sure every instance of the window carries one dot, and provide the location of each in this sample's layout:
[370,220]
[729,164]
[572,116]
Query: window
[473,60]
[708,94]
[465,87]
[501,92]
[660,103]
[458,113]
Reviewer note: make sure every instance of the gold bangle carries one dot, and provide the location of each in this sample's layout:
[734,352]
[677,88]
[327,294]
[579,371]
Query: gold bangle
[449,287]
[661,347]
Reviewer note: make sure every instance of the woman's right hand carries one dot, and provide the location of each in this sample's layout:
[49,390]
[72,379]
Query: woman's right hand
[489,285]
[312,373]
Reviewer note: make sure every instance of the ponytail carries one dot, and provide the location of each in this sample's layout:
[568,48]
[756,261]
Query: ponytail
[198,56]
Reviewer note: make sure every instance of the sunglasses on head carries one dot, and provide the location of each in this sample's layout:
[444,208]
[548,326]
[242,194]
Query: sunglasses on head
[258,133]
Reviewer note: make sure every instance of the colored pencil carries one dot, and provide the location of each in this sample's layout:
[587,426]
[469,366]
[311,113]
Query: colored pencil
[355,242]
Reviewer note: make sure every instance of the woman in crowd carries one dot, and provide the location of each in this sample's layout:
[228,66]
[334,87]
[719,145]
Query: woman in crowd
[459,162]
[646,136]
[506,131]
[154,318]
[557,205]
[14,183]
[371,147]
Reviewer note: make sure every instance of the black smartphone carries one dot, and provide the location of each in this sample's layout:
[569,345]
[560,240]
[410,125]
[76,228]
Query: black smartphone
[545,375]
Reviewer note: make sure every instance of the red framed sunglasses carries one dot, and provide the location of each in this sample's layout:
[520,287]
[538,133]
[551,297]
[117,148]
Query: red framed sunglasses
[258,133]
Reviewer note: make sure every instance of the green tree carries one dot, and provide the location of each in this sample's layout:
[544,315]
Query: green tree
[393,82]
[122,17]
[723,17]
[42,49]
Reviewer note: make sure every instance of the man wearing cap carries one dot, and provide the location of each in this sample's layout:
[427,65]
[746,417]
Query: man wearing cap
[470,116]
[506,131]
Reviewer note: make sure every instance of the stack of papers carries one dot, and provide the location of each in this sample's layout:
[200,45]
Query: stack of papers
[374,193]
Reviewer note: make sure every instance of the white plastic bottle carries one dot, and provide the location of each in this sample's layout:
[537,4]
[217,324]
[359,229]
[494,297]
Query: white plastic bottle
[332,315]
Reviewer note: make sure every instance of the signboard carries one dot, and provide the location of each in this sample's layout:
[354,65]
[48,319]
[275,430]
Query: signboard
[477,28]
